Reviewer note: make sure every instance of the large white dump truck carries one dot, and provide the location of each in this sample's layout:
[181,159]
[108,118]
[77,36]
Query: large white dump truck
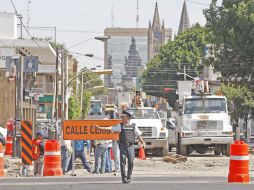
[203,123]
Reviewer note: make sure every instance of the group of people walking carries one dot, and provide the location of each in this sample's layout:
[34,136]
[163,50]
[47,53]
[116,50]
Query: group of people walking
[122,150]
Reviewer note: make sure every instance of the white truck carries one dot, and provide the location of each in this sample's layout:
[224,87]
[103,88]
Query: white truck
[155,135]
[203,123]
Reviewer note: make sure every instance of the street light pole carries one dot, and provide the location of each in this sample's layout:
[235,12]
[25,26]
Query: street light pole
[56,98]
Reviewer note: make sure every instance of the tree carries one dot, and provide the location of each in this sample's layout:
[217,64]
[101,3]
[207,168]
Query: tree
[232,26]
[232,44]
[90,80]
[242,99]
[186,50]
[74,108]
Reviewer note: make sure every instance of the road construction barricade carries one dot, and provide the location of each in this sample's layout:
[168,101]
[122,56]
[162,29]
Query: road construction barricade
[239,163]
[52,159]
[1,161]
[8,146]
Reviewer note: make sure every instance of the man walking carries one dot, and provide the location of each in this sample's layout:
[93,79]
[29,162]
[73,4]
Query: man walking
[127,134]
[66,151]
[80,153]
[38,153]
[100,156]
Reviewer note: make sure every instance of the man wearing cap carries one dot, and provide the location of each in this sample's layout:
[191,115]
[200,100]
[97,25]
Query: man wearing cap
[38,153]
[127,133]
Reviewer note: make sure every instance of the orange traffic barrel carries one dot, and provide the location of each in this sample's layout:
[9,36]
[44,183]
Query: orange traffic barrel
[8,146]
[1,160]
[239,163]
[52,159]
[142,155]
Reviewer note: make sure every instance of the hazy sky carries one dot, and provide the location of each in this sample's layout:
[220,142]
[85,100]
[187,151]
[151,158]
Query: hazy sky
[78,20]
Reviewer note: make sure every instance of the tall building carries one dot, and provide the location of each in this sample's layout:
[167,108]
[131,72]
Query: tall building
[184,21]
[117,50]
[157,34]
[129,49]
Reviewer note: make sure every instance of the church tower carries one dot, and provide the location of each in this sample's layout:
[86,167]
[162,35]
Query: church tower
[184,21]
[156,34]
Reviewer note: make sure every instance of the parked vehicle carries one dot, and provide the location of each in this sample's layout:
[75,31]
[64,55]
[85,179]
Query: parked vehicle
[154,134]
[203,123]
[95,107]
[110,108]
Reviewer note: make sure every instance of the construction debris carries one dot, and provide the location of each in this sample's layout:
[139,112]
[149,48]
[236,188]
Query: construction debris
[251,150]
[175,158]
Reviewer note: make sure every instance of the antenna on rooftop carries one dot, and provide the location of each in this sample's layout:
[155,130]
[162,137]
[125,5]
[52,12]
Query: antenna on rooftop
[112,17]
[28,15]
[137,17]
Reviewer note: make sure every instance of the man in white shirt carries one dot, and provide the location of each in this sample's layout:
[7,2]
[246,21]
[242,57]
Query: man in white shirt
[127,133]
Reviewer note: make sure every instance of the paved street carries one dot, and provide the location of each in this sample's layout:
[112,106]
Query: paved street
[111,183]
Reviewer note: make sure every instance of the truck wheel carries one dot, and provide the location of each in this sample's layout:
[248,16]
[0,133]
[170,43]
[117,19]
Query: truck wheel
[178,148]
[226,150]
[183,150]
[164,152]
[217,152]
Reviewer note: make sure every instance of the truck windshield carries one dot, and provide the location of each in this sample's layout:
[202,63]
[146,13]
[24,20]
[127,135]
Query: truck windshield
[203,105]
[143,113]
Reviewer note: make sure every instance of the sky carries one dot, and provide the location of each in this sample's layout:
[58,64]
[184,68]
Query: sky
[80,20]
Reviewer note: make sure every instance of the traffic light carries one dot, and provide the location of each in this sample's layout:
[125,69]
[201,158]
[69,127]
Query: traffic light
[167,89]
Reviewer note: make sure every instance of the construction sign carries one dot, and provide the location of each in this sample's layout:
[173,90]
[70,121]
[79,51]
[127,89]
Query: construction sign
[86,130]
[26,142]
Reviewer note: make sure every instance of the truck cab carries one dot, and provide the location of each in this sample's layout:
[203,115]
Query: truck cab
[95,107]
[203,123]
[154,133]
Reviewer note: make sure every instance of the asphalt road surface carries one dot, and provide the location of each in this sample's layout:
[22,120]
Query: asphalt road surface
[114,183]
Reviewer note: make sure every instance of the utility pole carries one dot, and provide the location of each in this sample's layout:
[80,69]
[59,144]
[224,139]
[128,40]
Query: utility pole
[56,98]
[184,71]
[62,87]
[82,90]
[66,90]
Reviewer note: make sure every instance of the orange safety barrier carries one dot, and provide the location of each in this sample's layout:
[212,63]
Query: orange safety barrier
[142,155]
[52,159]
[1,160]
[239,163]
[8,146]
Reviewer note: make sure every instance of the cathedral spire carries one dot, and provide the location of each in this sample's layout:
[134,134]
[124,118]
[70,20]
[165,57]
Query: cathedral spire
[156,18]
[184,22]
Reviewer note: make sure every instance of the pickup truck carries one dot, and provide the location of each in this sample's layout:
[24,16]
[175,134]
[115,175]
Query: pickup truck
[154,133]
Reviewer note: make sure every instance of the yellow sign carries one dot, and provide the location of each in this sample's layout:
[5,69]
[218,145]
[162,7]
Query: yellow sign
[86,130]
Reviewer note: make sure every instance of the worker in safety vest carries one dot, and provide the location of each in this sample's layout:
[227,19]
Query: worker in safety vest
[38,153]
[127,133]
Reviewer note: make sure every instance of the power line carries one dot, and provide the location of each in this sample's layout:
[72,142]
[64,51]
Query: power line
[22,24]
[198,3]
[44,28]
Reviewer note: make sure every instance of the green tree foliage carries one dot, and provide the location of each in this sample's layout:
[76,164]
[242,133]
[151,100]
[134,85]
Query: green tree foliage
[74,108]
[186,50]
[242,99]
[232,45]
[232,26]
[90,80]
[86,102]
